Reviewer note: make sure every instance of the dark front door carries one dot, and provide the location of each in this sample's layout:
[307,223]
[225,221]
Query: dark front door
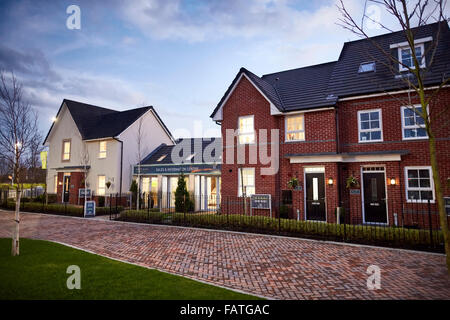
[66,188]
[315,196]
[374,197]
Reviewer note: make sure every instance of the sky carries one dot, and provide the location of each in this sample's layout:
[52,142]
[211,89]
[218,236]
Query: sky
[178,56]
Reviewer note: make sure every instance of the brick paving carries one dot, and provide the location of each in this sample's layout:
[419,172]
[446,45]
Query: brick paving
[274,267]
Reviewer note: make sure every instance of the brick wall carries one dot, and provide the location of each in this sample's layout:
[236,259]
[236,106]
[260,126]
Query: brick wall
[321,136]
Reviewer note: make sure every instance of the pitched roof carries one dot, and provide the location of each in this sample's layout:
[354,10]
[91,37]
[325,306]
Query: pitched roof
[166,151]
[346,81]
[95,122]
[303,88]
[323,84]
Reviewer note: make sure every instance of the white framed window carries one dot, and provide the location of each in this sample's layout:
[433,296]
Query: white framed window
[55,187]
[246,181]
[413,125]
[102,149]
[370,125]
[66,150]
[295,128]
[246,129]
[406,59]
[419,184]
[101,186]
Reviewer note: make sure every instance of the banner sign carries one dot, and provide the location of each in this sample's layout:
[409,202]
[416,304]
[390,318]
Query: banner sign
[89,209]
[177,169]
[44,159]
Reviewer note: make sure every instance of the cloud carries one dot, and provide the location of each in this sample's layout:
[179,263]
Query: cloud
[45,86]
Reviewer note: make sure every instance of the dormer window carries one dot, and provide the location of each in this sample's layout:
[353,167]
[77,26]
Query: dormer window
[406,57]
[366,67]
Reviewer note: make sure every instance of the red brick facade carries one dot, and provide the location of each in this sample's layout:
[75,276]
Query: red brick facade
[334,130]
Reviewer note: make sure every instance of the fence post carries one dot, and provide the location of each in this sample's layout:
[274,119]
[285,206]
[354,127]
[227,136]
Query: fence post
[279,219]
[429,223]
[184,208]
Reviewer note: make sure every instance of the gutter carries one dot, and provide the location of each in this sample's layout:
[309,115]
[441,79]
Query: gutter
[121,163]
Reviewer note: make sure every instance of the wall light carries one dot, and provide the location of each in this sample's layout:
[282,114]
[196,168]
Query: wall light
[330,181]
[53,119]
[392,181]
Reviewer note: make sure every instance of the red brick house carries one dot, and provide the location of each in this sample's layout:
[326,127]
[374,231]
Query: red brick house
[350,118]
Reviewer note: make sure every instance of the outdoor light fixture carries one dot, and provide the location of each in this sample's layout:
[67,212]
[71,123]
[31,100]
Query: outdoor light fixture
[330,181]
[392,181]
[53,119]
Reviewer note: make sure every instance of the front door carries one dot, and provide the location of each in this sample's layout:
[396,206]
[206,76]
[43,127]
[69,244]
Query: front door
[315,196]
[374,197]
[66,188]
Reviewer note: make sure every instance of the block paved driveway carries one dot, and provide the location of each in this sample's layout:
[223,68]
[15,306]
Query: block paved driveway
[274,267]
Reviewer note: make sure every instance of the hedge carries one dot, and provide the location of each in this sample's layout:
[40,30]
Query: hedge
[59,209]
[390,236]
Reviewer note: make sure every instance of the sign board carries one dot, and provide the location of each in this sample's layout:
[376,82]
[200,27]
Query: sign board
[355,191]
[89,209]
[84,193]
[261,201]
[178,168]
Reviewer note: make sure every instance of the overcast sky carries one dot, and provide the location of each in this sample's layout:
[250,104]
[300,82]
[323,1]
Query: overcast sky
[179,56]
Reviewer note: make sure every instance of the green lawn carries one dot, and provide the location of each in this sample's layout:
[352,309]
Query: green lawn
[40,273]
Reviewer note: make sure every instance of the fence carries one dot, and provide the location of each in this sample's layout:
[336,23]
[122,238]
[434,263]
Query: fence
[410,225]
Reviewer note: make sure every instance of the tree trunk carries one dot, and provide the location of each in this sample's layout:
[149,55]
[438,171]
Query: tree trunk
[440,200]
[15,239]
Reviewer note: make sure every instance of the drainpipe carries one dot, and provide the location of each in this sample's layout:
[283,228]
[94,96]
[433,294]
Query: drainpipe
[121,164]
[338,185]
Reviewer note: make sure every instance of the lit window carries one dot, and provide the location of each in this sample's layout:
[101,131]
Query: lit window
[295,128]
[161,158]
[366,67]
[419,184]
[55,188]
[102,149]
[246,181]
[370,126]
[66,150]
[246,130]
[413,125]
[406,58]
[101,186]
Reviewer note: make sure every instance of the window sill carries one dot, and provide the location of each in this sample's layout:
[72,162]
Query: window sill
[369,141]
[420,201]
[293,141]
[415,138]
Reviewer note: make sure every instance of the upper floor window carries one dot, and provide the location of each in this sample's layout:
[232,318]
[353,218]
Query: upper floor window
[406,57]
[419,184]
[102,149]
[295,128]
[246,130]
[413,125]
[246,181]
[366,67]
[370,126]
[66,150]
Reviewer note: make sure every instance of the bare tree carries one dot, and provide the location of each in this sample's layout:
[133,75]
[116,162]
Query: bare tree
[409,15]
[18,132]
[33,160]
[140,135]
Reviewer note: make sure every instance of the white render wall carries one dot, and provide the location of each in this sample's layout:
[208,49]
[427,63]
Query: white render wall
[65,128]
[153,135]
